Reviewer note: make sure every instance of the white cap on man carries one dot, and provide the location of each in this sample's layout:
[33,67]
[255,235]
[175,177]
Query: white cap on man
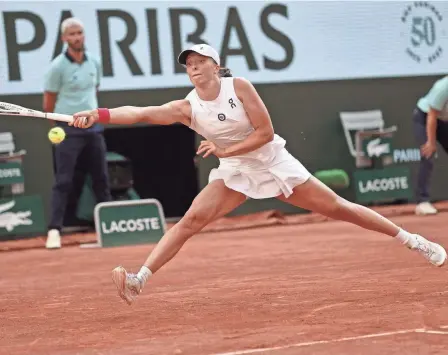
[202,49]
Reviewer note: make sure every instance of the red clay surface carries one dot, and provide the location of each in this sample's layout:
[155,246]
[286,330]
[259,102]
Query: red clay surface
[232,291]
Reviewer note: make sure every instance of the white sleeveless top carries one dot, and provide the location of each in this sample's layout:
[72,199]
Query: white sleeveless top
[263,173]
[224,122]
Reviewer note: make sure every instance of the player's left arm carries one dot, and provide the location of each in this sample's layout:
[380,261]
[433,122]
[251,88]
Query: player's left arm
[258,116]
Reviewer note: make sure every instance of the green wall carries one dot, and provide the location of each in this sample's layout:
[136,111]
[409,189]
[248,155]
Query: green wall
[305,114]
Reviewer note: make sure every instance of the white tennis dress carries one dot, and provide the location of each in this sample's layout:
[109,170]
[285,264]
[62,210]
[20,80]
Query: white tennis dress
[266,172]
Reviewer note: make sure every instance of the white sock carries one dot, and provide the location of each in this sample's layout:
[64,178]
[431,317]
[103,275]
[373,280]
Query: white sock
[144,274]
[404,237]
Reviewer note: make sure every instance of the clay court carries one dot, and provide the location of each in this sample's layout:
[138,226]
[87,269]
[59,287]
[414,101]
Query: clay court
[289,287]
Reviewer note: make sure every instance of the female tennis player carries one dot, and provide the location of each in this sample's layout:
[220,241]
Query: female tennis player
[230,115]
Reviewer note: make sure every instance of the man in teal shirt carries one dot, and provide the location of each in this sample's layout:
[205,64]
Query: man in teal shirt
[430,126]
[70,86]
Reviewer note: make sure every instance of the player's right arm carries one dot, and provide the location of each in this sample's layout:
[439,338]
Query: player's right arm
[178,111]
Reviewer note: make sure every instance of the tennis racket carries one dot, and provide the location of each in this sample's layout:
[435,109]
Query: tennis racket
[7,109]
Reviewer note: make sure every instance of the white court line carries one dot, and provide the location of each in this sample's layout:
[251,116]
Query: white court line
[298,345]
[433,332]
[318,309]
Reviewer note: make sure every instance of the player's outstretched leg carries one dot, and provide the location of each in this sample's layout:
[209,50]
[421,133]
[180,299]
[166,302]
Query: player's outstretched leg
[214,201]
[317,197]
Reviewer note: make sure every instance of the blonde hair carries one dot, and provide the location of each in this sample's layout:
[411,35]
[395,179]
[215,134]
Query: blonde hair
[69,22]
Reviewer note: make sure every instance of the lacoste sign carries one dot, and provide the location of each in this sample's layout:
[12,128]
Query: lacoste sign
[129,222]
[383,184]
[11,173]
[131,225]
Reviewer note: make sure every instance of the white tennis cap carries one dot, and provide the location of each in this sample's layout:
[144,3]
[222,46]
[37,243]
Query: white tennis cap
[202,49]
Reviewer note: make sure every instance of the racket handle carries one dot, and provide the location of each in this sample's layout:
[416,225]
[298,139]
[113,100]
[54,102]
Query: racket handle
[58,117]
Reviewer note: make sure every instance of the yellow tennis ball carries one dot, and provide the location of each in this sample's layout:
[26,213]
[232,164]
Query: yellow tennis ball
[56,135]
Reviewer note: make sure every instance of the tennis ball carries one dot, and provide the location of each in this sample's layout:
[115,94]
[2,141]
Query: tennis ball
[56,135]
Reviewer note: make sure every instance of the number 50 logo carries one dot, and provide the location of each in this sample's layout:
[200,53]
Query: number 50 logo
[423,26]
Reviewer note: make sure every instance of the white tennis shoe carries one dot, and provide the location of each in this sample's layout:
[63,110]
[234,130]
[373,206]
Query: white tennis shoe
[425,208]
[129,286]
[53,239]
[432,252]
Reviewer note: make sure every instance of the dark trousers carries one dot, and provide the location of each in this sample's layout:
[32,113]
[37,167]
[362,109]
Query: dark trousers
[427,165]
[91,147]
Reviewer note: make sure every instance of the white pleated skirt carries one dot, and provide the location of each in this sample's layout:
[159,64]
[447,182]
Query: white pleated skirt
[262,180]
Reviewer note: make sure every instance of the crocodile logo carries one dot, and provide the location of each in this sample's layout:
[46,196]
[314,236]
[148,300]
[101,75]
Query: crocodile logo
[375,148]
[10,220]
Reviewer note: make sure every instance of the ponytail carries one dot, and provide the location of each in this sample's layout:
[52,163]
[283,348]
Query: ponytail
[225,73]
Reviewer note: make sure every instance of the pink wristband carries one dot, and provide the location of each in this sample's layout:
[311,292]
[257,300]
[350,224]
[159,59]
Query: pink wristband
[103,115]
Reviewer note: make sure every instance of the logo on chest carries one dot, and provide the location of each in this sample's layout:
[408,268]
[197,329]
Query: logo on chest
[221,116]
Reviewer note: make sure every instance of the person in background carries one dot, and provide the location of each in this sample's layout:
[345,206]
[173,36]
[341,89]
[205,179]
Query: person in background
[71,85]
[430,126]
